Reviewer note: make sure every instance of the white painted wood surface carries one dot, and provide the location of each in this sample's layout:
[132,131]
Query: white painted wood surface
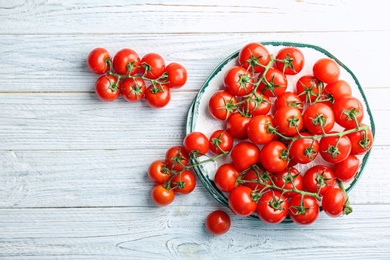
[73,169]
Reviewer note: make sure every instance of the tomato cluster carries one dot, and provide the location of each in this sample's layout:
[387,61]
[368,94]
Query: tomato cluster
[135,77]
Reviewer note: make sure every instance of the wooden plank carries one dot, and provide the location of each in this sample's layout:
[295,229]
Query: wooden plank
[178,232]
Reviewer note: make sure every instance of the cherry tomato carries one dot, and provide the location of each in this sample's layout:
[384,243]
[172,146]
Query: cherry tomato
[256,179]
[225,177]
[272,207]
[162,196]
[133,90]
[254,56]
[319,179]
[258,104]
[346,170]
[290,60]
[308,88]
[157,96]
[176,75]
[98,61]
[304,150]
[237,125]
[107,88]
[159,172]
[152,65]
[238,81]
[257,129]
[218,222]
[334,149]
[275,85]
[288,120]
[337,90]
[288,98]
[347,110]
[176,158]
[333,202]
[361,141]
[318,118]
[274,156]
[184,182]
[220,142]
[196,144]
[326,70]
[126,62]
[288,179]
[241,202]
[244,154]
[222,104]
[303,210]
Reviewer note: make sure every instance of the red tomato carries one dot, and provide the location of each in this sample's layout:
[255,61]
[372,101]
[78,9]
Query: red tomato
[176,158]
[176,75]
[304,150]
[308,88]
[257,129]
[288,120]
[98,61]
[272,207]
[159,172]
[274,83]
[303,210]
[220,141]
[346,170]
[107,88]
[241,202]
[222,104]
[152,65]
[347,110]
[196,144]
[257,104]
[238,81]
[288,179]
[289,99]
[333,202]
[237,125]
[157,96]
[334,149]
[162,196]
[225,177]
[254,56]
[184,182]
[326,70]
[244,155]
[290,60]
[361,141]
[274,156]
[256,179]
[318,118]
[126,62]
[133,90]
[218,222]
[337,90]
[319,179]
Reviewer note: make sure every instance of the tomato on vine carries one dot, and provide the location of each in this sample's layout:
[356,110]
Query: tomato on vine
[220,142]
[257,129]
[241,201]
[244,155]
[289,98]
[196,144]
[99,61]
[222,104]
[226,177]
[326,70]
[304,150]
[347,169]
[237,125]
[303,210]
[157,96]
[274,156]
[288,120]
[107,88]
[158,172]
[272,207]
[126,62]
[176,75]
[176,158]
[318,118]
[334,148]
[288,179]
[152,65]
[254,56]
[308,88]
[274,83]
[361,141]
[183,182]
[161,195]
[335,203]
[319,179]
[348,112]
[133,90]
[290,60]
[238,81]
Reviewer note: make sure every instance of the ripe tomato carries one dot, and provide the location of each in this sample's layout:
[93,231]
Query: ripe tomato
[361,141]
[303,210]
[289,98]
[241,202]
[290,60]
[218,222]
[272,207]
[98,61]
[308,88]
[333,202]
[288,179]
[346,170]
[176,158]
[244,155]
[196,144]
[319,179]
[257,129]
[133,90]
[326,70]
[347,110]
[162,196]
[254,56]
[274,83]
[184,182]
[304,150]
[337,90]
[318,118]
[126,62]
[238,81]
[288,120]
[274,156]
[107,88]
[152,65]
[256,179]
[220,141]
[176,75]
[159,172]
[222,104]
[237,125]
[334,149]
[258,104]
[157,96]
[225,177]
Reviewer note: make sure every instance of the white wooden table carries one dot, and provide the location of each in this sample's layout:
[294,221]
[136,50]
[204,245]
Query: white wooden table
[73,178]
